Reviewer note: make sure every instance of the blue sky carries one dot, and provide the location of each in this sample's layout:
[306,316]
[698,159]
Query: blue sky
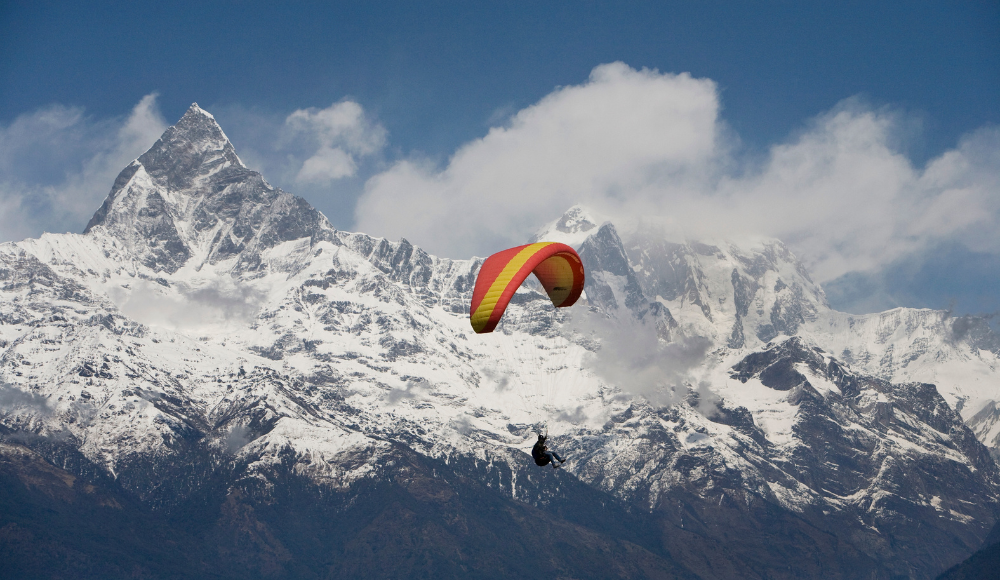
[341,102]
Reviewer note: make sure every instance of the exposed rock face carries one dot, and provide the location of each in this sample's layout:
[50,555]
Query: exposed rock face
[190,195]
[611,283]
[211,348]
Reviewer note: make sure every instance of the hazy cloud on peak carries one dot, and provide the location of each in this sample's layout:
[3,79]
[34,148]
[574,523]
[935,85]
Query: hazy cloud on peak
[210,305]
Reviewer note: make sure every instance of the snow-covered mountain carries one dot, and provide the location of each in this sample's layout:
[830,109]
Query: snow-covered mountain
[208,327]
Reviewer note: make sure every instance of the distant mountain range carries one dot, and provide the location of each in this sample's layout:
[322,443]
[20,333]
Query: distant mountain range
[212,381]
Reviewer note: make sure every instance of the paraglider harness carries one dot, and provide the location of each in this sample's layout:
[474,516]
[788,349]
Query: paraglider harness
[538,451]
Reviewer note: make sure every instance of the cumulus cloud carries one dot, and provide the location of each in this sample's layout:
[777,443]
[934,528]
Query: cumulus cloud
[644,145]
[326,165]
[323,155]
[237,438]
[409,392]
[601,140]
[58,164]
[500,379]
[341,131]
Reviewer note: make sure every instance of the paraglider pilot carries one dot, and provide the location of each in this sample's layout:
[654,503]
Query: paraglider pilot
[542,456]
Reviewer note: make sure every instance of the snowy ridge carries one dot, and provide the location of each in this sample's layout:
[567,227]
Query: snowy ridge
[906,344]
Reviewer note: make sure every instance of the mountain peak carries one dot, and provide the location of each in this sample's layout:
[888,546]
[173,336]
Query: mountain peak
[195,146]
[187,152]
[194,109]
[190,195]
[572,228]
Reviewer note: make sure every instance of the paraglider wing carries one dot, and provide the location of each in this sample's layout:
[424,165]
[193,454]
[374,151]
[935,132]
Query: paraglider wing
[557,266]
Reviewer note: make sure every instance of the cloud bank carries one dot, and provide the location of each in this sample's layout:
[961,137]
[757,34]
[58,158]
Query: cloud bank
[57,165]
[644,145]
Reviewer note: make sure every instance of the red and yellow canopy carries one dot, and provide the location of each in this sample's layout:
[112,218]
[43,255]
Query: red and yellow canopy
[557,266]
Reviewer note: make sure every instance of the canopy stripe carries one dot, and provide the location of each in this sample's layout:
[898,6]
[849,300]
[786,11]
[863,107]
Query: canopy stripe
[557,266]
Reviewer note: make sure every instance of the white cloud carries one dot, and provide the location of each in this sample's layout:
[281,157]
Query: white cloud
[845,200]
[214,305]
[13,399]
[641,145]
[342,132]
[630,353]
[600,141]
[632,144]
[326,165]
[57,165]
[963,187]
